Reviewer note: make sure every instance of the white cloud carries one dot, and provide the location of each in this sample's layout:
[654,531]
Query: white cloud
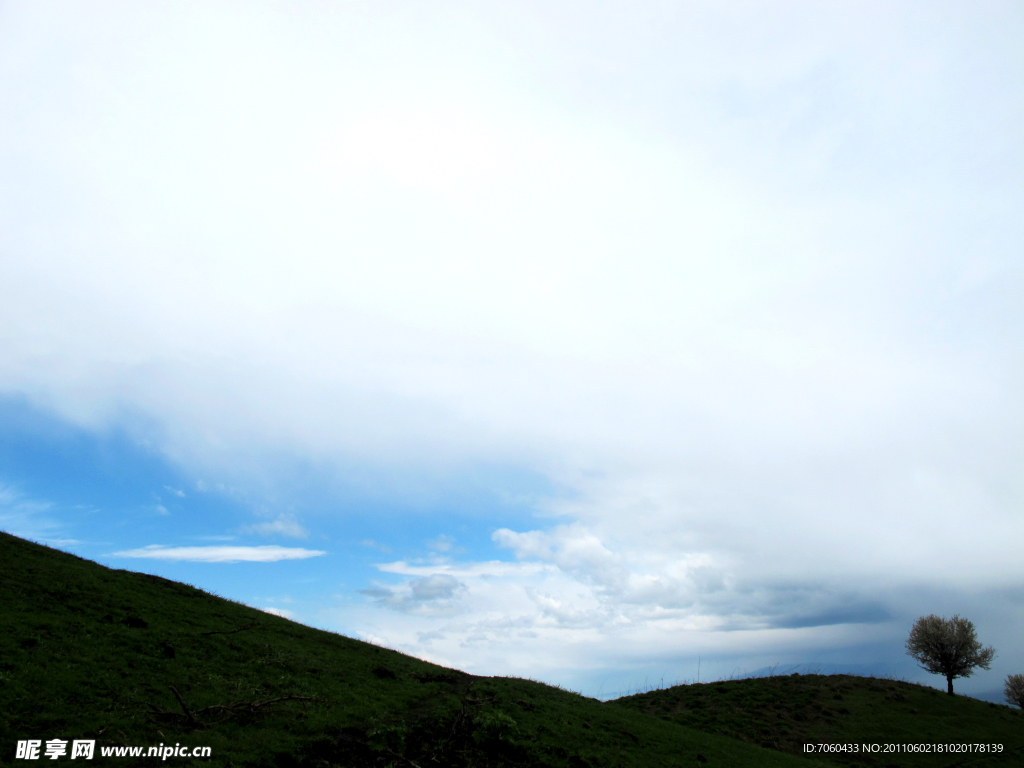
[26,517]
[284,525]
[535,618]
[442,543]
[438,586]
[435,594]
[572,548]
[265,554]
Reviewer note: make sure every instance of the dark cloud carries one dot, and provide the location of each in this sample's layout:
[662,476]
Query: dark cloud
[428,594]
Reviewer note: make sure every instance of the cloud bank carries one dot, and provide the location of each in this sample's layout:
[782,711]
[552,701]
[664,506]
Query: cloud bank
[266,554]
[742,287]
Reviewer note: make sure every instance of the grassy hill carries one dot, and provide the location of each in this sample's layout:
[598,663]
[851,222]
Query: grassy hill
[787,712]
[127,659]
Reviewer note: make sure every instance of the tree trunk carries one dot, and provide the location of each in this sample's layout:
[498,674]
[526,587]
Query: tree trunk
[949,685]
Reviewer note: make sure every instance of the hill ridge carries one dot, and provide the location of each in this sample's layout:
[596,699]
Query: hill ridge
[127,659]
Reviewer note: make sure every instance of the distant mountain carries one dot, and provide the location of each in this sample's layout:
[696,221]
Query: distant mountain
[818,668]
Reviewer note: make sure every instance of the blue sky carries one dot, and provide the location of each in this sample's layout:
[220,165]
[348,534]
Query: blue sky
[556,339]
[101,493]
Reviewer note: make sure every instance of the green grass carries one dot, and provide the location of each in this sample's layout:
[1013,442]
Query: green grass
[786,712]
[87,652]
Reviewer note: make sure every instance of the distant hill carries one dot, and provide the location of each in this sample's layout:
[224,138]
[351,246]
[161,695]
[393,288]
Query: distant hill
[131,660]
[786,712]
[821,668]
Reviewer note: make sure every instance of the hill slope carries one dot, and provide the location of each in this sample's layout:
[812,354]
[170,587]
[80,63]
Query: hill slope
[787,712]
[127,659]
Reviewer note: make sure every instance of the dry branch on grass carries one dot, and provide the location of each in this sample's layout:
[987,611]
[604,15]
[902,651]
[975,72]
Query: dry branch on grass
[231,631]
[192,717]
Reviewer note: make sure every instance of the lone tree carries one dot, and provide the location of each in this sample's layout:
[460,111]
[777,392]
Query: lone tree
[948,647]
[1014,690]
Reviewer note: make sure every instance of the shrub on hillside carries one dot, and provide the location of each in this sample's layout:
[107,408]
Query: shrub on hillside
[1014,690]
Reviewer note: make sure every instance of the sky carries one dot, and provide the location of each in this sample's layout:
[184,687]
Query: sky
[609,344]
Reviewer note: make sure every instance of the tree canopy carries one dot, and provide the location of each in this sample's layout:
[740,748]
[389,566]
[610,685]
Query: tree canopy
[948,647]
[1014,690]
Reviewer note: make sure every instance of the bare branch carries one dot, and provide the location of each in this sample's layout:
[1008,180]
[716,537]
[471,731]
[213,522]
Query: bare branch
[191,717]
[231,631]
